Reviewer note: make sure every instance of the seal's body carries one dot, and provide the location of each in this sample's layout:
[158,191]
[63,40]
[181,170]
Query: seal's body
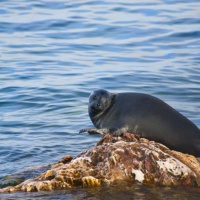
[145,115]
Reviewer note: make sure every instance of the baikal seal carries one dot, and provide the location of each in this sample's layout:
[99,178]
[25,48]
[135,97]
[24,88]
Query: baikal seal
[145,115]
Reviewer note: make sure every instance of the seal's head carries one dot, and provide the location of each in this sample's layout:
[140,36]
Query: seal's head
[99,102]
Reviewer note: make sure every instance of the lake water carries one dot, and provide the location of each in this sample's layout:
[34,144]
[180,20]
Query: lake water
[53,54]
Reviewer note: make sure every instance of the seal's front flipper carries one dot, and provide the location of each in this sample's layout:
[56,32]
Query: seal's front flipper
[93,131]
[84,130]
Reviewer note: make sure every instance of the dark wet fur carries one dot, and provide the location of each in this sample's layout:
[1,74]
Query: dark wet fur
[147,116]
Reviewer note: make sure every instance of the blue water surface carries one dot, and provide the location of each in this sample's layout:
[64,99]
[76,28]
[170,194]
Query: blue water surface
[53,54]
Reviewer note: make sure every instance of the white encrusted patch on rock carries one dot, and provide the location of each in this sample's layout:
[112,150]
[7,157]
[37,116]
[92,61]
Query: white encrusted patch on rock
[173,166]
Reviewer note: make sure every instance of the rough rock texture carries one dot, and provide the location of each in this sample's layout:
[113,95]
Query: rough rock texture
[114,159]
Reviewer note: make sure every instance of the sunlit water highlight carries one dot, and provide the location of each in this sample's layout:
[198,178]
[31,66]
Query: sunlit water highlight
[53,54]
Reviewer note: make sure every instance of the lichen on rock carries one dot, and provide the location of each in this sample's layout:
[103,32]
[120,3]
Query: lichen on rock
[114,159]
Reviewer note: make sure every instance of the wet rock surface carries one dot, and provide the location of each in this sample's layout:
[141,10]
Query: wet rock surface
[127,159]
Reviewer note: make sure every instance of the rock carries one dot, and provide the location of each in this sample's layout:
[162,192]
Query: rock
[118,159]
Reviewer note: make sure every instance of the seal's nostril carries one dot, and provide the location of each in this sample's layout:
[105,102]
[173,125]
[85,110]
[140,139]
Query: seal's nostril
[95,106]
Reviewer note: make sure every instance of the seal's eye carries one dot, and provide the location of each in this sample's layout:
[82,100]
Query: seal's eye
[95,97]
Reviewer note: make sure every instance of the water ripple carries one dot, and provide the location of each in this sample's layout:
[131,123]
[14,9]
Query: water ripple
[53,54]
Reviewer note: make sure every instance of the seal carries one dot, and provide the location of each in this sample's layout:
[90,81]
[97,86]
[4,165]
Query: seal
[145,115]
